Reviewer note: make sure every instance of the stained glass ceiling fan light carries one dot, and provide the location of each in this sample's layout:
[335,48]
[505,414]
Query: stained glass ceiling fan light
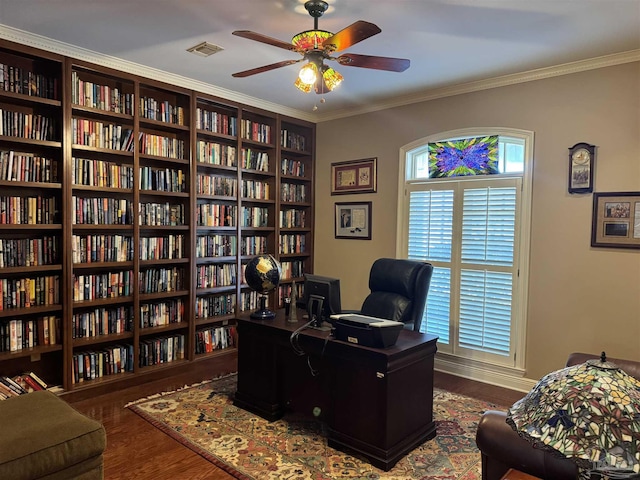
[588,413]
[317,46]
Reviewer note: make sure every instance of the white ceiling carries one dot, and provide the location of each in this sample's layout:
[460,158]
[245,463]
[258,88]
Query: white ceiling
[449,42]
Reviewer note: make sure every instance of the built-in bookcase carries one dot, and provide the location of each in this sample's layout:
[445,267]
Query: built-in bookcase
[32,202]
[129,210]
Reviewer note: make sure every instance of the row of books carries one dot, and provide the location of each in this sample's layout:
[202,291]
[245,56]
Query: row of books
[29,252]
[287,290]
[32,126]
[26,167]
[102,321]
[216,245]
[155,351]
[216,185]
[292,218]
[250,300]
[258,132]
[255,189]
[216,122]
[94,133]
[102,285]
[216,154]
[101,211]
[292,243]
[18,334]
[98,173]
[292,269]
[18,80]
[215,305]
[102,97]
[31,210]
[163,313]
[161,214]
[254,245]
[162,248]
[160,146]
[160,280]
[293,168]
[254,216]
[101,248]
[97,364]
[29,292]
[292,192]
[162,179]
[255,160]
[216,275]
[20,385]
[214,338]
[293,140]
[161,111]
[216,215]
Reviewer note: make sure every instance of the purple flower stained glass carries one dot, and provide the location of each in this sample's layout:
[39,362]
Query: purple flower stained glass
[468,156]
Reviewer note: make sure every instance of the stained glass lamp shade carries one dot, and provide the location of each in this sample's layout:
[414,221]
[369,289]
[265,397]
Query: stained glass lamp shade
[588,413]
[312,41]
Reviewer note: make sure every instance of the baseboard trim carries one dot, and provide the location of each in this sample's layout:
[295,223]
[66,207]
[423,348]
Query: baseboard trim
[484,373]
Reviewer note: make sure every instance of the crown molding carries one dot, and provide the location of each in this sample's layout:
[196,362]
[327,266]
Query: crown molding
[495,82]
[68,50]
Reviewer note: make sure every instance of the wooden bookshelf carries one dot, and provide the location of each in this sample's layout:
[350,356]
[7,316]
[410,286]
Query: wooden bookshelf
[140,205]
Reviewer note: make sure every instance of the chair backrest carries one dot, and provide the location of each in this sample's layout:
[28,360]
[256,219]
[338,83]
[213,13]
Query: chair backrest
[399,290]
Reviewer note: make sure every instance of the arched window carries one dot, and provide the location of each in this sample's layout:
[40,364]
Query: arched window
[465,208]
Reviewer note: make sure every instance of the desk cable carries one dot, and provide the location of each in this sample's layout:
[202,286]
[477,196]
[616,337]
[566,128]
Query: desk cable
[293,339]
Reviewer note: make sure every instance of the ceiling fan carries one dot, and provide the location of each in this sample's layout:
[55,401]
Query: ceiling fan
[316,46]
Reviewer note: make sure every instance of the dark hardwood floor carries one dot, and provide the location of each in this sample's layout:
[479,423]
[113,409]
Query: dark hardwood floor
[137,450]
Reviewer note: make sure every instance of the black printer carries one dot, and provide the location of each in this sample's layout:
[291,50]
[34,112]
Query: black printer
[367,331]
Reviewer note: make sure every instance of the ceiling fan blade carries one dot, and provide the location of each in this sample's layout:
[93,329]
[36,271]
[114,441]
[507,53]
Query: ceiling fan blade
[258,37]
[354,33]
[379,63]
[265,68]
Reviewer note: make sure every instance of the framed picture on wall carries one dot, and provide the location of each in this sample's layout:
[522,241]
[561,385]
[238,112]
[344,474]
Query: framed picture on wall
[354,176]
[616,220]
[353,220]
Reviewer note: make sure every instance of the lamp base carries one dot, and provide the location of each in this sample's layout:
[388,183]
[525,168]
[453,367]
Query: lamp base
[263,313]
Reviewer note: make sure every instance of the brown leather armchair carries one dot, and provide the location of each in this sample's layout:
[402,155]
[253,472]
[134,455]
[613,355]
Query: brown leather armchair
[502,448]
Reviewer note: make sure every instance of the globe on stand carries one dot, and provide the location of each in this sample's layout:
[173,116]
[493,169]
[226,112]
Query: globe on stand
[262,274]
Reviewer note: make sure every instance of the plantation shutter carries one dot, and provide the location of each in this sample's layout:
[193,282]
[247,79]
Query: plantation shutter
[430,239]
[487,268]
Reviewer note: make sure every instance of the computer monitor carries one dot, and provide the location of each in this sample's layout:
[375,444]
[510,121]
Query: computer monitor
[326,288]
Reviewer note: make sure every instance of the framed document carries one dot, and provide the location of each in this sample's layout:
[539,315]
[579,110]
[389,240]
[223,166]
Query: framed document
[353,220]
[355,176]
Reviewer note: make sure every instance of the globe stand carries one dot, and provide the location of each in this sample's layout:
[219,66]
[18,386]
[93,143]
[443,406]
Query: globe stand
[263,313]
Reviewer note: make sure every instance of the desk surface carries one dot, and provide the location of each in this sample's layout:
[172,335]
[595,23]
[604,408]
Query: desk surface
[377,402]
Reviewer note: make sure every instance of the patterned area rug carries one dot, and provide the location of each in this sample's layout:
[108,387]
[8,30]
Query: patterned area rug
[203,418]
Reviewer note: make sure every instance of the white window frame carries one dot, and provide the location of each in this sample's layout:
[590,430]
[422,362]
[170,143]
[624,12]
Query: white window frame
[469,364]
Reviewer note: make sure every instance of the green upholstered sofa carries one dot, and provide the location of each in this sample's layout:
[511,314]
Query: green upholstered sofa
[43,437]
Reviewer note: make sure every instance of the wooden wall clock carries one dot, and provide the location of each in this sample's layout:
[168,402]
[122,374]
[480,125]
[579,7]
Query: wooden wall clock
[581,165]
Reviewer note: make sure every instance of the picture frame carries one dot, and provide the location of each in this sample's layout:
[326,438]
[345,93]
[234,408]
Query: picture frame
[616,220]
[354,176]
[581,165]
[353,220]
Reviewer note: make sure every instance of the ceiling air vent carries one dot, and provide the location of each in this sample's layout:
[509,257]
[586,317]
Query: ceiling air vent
[205,49]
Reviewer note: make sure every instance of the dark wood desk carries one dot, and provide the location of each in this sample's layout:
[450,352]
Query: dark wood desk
[376,402]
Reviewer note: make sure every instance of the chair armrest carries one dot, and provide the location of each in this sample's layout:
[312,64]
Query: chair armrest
[502,448]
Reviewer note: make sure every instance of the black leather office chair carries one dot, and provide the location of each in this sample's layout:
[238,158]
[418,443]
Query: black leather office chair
[399,290]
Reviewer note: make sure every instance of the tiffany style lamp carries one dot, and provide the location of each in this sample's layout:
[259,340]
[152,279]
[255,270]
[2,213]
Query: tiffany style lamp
[588,413]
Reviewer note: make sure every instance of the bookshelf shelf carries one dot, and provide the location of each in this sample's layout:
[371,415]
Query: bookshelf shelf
[148,182]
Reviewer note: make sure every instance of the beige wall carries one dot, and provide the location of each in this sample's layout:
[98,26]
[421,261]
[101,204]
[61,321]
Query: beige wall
[580,298]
